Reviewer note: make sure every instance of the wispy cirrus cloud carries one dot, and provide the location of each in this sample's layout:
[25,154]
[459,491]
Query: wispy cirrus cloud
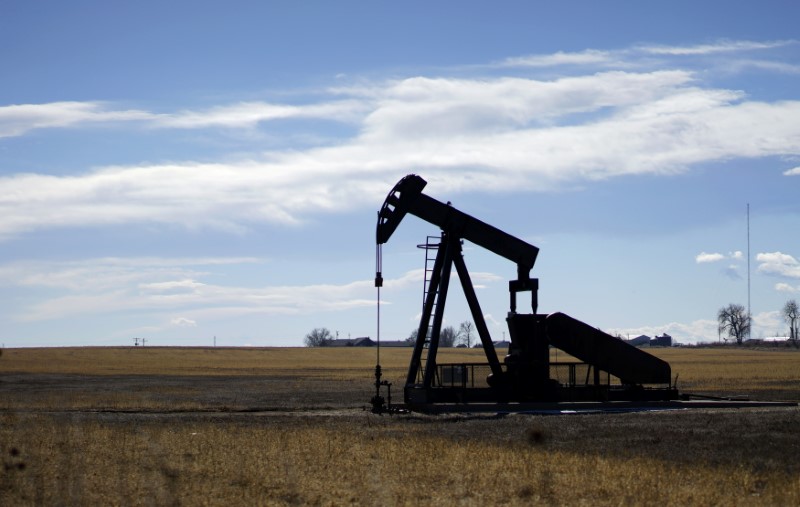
[722,46]
[792,172]
[587,57]
[771,66]
[17,120]
[250,114]
[641,55]
[103,274]
[180,287]
[165,291]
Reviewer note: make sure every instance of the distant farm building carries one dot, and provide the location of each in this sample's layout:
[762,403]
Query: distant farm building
[397,343]
[364,341]
[664,340]
[640,340]
[770,339]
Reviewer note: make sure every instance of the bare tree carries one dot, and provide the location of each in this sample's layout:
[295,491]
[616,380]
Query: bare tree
[319,337]
[448,337]
[791,314]
[412,338]
[734,320]
[465,331]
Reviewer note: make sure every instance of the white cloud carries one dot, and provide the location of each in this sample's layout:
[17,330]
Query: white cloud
[704,257]
[93,275]
[766,320]
[495,322]
[497,134]
[717,47]
[249,114]
[785,287]
[792,172]
[183,322]
[764,65]
[626,57]
[490,132]
[107,286]
[16,120]
[779,264]
[731,270]
[172,287]
[587,57]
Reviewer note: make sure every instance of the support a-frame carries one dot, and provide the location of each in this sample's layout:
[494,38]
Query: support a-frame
[448,255]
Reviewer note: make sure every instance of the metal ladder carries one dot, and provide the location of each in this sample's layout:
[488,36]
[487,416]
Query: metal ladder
[431,247]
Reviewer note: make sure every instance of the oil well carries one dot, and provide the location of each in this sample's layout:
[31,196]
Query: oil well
[607,372]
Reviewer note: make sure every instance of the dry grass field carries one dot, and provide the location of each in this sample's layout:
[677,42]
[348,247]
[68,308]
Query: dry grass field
[206,426]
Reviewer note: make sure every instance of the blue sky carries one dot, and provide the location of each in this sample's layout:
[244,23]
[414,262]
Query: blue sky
[188,170]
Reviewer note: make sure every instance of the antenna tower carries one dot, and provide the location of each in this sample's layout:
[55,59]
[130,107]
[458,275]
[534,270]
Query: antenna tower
[749,315]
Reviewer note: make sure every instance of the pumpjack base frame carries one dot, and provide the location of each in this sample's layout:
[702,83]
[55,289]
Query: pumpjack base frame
[420,396]
[589,407]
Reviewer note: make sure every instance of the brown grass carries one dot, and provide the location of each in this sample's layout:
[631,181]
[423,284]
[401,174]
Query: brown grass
[56,449]
[709,367]
[703,458]
[773,374]
[768,373]
[204,361]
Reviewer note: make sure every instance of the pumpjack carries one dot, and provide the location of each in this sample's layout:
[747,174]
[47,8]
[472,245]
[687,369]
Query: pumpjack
[605,369]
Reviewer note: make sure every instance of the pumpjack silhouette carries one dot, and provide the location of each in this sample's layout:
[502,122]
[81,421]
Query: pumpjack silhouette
[606,368]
